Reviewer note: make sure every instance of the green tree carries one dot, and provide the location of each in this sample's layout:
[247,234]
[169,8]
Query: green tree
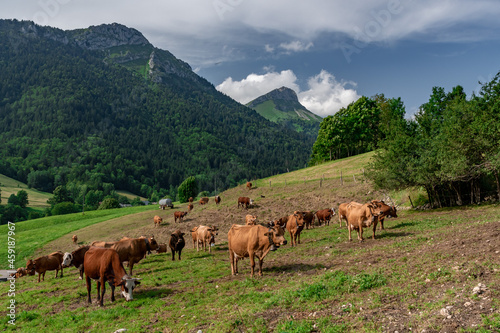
[22,198]
[109,203]
[63,208]
[188,188]
[61,194]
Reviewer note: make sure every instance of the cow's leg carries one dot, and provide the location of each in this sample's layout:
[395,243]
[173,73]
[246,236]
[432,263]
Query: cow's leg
[252,263]
[209,247]
[382,223]
[131,266]
[180,254]
[81,274]
[89,285]
[349,227]
[374,228]
[103,285]
[260,266]
[57,271]
[112,291]
[360,232]
[99,300]
[231,259]
[173,255]
[43,277]
[61,271]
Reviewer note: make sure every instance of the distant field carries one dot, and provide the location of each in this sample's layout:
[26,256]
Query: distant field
[130,195]
[11,186]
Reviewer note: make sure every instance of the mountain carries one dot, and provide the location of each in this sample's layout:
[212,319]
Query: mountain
[103,107]
[282,106]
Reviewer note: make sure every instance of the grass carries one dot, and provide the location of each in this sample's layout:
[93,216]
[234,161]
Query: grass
[11,186]
[422,262]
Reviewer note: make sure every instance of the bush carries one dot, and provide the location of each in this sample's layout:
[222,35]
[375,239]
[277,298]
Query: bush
[109,203]
[64,208]
[187,189]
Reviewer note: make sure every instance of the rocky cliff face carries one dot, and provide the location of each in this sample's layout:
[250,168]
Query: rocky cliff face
[105,36]
[280,94]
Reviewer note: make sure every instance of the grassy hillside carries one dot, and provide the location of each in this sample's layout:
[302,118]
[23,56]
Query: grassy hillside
[419,273]
[11,186]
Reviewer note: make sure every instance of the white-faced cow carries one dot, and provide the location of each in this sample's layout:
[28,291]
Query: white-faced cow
[104,265]
[75,259]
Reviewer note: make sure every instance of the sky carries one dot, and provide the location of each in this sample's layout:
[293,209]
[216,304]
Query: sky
[330,52]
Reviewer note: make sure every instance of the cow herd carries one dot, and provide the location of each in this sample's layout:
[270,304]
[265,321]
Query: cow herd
[103,261]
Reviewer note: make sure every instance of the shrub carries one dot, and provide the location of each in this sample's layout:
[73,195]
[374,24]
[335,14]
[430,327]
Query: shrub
[187,189]
[109,203]
[64,208]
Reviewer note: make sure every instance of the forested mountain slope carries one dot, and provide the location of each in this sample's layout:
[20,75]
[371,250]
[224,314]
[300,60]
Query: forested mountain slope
[103,105]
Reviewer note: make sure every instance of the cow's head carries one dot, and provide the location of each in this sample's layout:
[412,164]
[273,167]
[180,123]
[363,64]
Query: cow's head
[276,233]
[178,236]
[392,211]
[213,232]
[332,211]
[153,244]
[128,284]
[67,259]
[30,267]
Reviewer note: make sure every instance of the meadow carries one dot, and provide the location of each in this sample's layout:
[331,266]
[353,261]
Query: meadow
[418,275]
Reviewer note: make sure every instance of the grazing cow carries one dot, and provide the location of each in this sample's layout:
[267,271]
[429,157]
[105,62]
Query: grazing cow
[343,213]
[134,249]
[203,200]
[245,202]
[176,243]
[45,263]
[325,215]
[217,199]
[385,210]
[103,265]
[179,216]
[75,259]
[190,207]
[20,272]
[106,245]
[249,186]
[190,199]
[74,239]
[157,220]
[162,248]
[250,219]
[295,225]
[204,236]
[308,219]
[282,221]
[253,241]
[361,216]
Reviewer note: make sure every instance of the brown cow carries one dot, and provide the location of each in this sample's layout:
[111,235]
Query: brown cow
[204,201]
[343,213]
[75,259]
[179,215]
[45,263]
[157,220]
[361,216]
[74,239]
[217,199]
[176,243]
[295,225]
[190,199]
[385,210]
[106,245]
[308,219]
[253,241]
[249,186]
[134,249]
[250,220]
[205,236]
[282,221]
[20,272]
[104,265]
[190,207]
[325,215]
[245,202]
[162,248]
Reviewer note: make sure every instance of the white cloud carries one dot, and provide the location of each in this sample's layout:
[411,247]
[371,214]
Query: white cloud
[255,85]
[296,46]
[325,95]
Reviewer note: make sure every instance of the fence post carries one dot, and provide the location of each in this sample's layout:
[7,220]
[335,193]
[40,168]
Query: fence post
[341,181]
[269,183]
[354,178]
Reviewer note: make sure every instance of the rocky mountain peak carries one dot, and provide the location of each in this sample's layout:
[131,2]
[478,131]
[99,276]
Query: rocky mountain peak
[108,35]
